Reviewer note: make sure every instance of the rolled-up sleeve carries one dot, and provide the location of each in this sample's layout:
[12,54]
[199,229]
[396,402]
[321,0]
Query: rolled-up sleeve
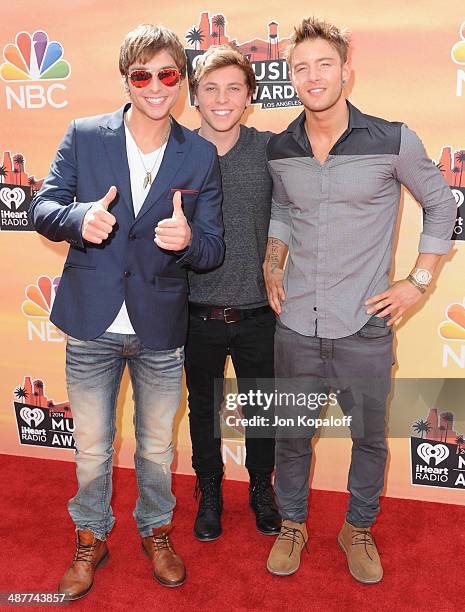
[416,171]
[280,221]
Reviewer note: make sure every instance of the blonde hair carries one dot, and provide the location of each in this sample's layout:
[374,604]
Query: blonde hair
[219,56]
[313,28]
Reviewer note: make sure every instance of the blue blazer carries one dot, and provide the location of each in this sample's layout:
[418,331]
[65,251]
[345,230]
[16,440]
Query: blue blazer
[128,265]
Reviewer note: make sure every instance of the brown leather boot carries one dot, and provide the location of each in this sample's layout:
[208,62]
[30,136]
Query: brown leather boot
[90,554]
[284,558]
[168,567]
[362,556]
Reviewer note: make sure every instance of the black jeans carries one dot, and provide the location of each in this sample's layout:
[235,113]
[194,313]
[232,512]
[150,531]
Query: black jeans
[250,343]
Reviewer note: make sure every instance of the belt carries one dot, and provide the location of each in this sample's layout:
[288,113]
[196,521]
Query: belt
[224,313]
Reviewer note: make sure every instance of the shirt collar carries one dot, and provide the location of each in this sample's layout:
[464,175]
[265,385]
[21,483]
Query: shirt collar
[357,120]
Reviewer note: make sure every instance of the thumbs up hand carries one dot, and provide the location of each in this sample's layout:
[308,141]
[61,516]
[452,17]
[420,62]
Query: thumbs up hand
[174,234]
[98,222]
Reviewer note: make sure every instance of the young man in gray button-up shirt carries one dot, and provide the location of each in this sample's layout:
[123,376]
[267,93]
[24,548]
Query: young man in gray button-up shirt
[337,176]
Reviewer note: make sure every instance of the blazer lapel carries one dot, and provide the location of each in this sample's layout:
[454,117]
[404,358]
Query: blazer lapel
[175,154]
[114,139]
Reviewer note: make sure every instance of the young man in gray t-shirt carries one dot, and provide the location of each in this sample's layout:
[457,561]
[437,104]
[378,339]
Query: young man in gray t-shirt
[229,312]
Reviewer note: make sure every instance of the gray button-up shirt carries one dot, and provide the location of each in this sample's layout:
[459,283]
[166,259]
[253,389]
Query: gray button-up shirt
[338,219]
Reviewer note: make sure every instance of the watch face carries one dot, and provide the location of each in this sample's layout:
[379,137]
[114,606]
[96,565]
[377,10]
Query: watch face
[422,276]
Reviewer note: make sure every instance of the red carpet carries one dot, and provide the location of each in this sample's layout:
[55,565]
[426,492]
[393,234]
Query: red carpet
[422,547]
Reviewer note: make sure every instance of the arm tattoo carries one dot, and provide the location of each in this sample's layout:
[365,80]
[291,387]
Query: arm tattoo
[273,255]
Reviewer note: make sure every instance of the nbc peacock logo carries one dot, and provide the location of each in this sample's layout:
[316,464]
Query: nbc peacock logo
[34,57]
[452,331]
[458,57]
[37,307]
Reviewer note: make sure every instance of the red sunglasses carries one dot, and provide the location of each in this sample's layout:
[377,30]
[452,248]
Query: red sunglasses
[167,76]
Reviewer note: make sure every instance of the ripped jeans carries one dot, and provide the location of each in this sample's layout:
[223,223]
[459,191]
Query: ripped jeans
[93,374]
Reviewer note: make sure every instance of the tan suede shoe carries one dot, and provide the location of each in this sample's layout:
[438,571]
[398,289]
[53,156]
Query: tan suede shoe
[90,554]
[362,556]
[284,558]
[167,566]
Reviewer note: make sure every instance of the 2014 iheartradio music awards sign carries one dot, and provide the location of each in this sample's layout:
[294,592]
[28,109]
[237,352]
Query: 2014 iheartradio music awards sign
[274,89]
[41,421]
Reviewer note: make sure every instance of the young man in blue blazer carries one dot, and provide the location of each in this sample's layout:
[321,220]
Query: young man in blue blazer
[138,198]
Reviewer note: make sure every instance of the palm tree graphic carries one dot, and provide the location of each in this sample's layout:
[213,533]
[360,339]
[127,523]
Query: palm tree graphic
[459,440]
[19,161]
[220,22]
[253,49]
[16,171]
[455,170]
[422,427]
[21,393]
[448,417]
[3,173]
[32,184]
[195,37]
[461,159]
[215,35]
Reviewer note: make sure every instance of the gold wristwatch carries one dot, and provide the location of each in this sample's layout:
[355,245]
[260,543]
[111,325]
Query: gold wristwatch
[421,278]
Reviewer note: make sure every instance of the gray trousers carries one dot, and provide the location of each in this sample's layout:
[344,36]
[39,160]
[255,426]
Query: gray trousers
[358,369]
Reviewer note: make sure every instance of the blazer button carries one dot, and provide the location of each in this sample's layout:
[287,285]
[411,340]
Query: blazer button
[127,273]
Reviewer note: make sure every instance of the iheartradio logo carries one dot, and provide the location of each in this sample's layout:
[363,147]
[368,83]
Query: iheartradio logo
[12,198]
[29,416]
[427,452]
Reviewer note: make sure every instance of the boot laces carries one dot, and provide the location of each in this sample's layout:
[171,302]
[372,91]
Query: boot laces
[262,495]
[363,536]
[292,534]
[208,488]
[162,541]
[84,552]
[261,488]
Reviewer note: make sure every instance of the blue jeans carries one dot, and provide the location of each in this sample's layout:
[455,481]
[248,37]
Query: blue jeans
[93,373]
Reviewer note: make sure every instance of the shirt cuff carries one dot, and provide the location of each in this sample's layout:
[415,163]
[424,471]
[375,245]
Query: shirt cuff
[431,244]
[279,230]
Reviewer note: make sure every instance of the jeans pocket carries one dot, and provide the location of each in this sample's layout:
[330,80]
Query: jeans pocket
[265,319]
[376,327]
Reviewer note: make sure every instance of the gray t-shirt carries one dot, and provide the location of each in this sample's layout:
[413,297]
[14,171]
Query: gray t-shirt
[247,186]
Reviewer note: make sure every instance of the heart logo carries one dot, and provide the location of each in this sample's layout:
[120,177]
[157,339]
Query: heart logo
[427,452]
[454,327]
[35,415]
[458,195]
[10,196]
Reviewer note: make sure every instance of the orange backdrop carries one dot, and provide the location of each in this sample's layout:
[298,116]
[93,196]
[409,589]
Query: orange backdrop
[408,64]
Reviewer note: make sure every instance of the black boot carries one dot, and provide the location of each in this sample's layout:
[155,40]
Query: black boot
[261,499]
[207,524]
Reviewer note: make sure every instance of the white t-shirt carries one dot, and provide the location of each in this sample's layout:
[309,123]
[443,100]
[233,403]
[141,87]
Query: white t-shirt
[122,324]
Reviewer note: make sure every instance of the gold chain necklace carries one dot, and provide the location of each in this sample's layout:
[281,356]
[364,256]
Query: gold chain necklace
[148,173]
